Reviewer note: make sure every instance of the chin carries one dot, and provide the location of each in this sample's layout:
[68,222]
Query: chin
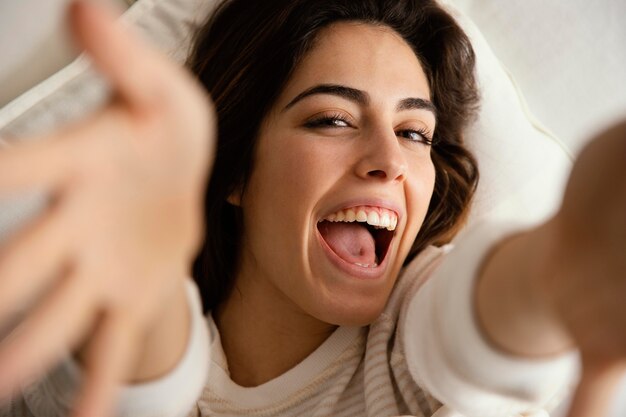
[353,313]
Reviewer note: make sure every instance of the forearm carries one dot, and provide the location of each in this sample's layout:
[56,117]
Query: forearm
[510,308]
[450,355]
[162,347]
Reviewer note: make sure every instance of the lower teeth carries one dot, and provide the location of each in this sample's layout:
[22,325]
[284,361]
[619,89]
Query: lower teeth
[374,265]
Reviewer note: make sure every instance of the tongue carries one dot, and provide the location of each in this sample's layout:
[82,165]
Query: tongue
[350,241]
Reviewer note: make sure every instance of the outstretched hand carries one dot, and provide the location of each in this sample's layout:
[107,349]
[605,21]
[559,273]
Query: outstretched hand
[586,286]
[116,243]
[563,284]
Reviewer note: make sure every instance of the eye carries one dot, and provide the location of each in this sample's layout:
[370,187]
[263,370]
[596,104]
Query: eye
[421,135]
[327,121]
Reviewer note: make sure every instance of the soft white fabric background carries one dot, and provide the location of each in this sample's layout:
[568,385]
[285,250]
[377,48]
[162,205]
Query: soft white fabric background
[567,58]
[34,43]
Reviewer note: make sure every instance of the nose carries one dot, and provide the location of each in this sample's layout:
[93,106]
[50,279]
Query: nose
[382,157]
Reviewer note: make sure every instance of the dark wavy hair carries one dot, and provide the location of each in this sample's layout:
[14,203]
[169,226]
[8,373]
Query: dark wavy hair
[244,55]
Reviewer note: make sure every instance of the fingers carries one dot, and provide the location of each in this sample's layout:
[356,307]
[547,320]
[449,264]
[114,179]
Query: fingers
[139,74]
[107,364]
[45,336]
[31,260]
[49,162]
[594,394]
[41,163]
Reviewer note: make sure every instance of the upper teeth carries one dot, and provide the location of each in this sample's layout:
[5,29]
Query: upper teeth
[374,216]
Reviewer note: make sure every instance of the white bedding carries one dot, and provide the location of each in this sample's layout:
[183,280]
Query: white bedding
[34,43]
[568,57]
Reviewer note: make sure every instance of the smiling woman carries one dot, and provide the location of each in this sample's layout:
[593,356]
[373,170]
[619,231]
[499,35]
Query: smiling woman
[340,171]
[343,125]
[350,149]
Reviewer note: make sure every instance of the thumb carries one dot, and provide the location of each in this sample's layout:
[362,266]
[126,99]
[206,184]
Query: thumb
[594,394]
[137,73]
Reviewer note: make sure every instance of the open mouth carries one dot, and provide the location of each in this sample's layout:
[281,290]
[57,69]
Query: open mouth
[360,235]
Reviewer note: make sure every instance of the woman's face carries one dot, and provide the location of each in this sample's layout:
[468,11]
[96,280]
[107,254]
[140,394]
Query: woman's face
[342,178]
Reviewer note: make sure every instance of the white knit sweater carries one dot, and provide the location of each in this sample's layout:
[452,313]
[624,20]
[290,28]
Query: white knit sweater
[424,351]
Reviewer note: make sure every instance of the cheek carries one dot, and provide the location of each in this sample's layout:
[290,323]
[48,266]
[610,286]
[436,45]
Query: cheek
[295,171]
[288,179]
[419,190]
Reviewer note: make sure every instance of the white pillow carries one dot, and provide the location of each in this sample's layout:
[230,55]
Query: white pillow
[567,56]
[522,167]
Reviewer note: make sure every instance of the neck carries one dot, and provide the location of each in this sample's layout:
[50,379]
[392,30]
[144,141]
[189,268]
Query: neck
[263,333]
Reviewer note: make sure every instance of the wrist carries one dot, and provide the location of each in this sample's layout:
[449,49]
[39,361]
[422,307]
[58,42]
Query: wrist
[512,304]
[165,342]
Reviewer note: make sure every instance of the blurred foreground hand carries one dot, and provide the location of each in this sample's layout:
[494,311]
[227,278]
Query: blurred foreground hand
[586,282]
[110,256]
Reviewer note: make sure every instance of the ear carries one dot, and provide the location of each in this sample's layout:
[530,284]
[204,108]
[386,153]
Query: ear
[234,198]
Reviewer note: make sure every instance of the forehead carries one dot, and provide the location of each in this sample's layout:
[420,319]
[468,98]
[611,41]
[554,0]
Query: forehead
[371,58]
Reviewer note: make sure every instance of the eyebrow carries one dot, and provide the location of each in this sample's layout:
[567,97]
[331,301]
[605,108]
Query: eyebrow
[416,103]
[352,94]
[360,97]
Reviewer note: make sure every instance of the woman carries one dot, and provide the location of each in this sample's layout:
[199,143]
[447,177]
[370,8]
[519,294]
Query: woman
[331,115]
